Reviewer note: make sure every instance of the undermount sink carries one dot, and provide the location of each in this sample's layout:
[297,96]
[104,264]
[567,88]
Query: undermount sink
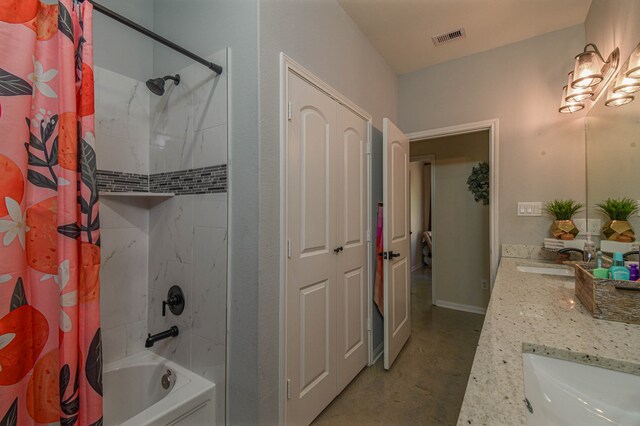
[561,392]
[559,270]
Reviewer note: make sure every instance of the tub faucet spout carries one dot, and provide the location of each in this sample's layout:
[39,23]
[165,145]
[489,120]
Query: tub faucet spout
[151,340]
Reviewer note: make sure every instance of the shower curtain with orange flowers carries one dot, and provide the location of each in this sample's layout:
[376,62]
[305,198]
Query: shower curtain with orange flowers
[50,347]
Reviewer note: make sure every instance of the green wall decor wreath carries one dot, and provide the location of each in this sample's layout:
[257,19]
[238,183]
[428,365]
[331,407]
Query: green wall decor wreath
[479,182]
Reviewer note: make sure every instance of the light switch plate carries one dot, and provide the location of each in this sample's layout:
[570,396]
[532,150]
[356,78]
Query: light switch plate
[529,208]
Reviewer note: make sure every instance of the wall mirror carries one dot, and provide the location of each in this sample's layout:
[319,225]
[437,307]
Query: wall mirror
[613,153]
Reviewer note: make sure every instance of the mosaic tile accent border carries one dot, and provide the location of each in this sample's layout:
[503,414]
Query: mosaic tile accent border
[205,180]
[111,181]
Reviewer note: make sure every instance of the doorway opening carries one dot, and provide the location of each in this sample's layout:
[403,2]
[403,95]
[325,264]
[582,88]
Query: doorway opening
[420,171]
[460,219]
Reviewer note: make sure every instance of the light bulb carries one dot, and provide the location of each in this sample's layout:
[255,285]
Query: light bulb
[569,107]
[587,71]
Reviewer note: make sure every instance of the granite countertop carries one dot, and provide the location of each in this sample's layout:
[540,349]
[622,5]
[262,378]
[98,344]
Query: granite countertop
[536,313]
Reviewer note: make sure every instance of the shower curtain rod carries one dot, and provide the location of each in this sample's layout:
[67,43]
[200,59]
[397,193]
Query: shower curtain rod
[113,15]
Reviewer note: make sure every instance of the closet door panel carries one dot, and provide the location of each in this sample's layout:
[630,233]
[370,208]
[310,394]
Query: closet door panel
[352,273]
[311,272]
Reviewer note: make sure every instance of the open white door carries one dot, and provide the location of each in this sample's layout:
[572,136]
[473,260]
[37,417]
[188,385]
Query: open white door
[396,242]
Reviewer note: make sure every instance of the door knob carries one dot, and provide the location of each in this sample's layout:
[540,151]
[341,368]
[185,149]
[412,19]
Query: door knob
[388,254]
[338,250]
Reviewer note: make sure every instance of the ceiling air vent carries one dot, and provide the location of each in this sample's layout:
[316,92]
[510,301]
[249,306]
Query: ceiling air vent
[450,36]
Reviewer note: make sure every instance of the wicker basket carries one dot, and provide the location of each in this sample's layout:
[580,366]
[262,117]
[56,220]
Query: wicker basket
[612,300]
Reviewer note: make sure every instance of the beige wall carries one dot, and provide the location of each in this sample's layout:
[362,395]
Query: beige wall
[322,37]
[416,170]
[541,151]
[460,224]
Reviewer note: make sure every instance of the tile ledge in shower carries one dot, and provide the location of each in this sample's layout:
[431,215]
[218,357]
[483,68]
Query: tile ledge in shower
[145,200]
[138,194]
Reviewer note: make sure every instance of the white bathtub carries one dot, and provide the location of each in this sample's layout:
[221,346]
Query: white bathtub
[134,395]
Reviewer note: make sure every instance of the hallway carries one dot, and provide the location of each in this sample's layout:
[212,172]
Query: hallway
[426,384]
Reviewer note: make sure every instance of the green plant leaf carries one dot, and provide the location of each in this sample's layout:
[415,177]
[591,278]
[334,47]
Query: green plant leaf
[38,179]
[618,208]
[35,142]
[11,416]
[65,23]
[19,297]
[563,209]
[36,161]
[89,170]
[71,230]
[12,85]
[93,364]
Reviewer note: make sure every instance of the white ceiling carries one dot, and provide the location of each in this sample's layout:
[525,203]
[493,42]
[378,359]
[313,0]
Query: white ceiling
[401,30]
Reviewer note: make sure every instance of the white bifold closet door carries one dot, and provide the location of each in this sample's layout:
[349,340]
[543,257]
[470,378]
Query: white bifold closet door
[326,267]
[352,274]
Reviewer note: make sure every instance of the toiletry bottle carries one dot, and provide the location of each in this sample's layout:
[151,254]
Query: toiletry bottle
[634,274]
[617,270]
[589,249]
[598,259]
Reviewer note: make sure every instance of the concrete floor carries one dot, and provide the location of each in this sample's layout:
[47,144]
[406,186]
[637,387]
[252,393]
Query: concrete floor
[426,384]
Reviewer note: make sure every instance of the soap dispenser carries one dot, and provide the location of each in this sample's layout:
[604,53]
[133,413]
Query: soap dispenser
[618,271]
[589,249]
[634,274]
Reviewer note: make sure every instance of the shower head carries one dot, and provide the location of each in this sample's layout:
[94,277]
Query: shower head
[156,85]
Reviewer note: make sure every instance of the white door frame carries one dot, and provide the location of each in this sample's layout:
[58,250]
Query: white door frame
[431,158]
[493,127]
[288,65]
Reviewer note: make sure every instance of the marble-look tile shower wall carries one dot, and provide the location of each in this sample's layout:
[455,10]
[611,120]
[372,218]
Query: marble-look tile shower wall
[149,246]
[188,233]
[122,145]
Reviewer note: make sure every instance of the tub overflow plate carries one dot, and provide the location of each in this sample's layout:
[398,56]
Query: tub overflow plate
[166,380]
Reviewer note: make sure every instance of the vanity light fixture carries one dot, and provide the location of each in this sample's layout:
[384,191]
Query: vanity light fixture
[633,69]
[590,75]
[591,68]
[625,85]
[616,99]
[567,107]
[577,95]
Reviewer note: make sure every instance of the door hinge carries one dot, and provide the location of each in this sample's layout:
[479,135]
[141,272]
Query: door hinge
[288,388]
[368,147]
[288,249]
[368,324]
[289,114]
[368,235]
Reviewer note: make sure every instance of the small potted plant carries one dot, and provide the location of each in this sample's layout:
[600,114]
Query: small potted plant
[618,211]
[563,211]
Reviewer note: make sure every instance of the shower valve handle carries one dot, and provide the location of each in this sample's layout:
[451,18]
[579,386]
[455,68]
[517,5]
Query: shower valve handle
[175,301]
[172,301]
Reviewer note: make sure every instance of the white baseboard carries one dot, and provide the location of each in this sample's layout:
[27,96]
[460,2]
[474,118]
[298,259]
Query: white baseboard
[377,352]
[461,307]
